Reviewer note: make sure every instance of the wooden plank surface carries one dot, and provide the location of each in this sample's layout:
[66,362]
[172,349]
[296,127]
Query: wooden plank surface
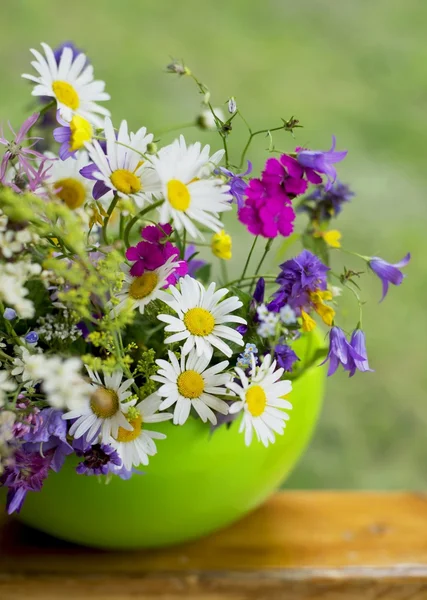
[299,545]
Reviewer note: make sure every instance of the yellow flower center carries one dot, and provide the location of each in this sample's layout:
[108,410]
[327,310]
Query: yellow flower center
[199,321]
[221,245]
[81,132]
[104,403]
[143,286]
[125,436]
[178,195]
[190,384]
[125,181]
[71,191]
[256,400]
[66,94]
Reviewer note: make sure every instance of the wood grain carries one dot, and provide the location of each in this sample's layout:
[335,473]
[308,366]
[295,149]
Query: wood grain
[300,545]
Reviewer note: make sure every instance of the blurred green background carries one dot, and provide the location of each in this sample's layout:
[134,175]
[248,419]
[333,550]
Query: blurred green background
[356,69]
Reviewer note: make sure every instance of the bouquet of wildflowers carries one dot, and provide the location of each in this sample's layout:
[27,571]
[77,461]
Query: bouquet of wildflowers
[109,320]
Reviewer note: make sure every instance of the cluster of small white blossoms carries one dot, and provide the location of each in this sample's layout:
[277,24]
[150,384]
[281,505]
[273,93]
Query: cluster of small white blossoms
[56,327]
[60,379]
[270,320]
[13,277]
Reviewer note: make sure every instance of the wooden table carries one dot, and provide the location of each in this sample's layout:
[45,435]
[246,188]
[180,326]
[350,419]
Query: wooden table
[300,545]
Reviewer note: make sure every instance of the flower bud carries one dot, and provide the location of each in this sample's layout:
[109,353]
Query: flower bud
[232,106]
[152,148]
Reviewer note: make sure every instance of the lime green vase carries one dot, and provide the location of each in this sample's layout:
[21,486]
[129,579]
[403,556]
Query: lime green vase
[198,482]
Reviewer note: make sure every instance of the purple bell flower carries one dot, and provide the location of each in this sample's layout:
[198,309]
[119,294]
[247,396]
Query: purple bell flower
[387,272]
[341,352]
[358,344]
[322,161]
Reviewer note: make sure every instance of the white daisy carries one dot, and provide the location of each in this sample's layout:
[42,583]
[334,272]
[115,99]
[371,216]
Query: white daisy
[137,292]
[65,181]
[189,383]
[103,413]
[71,83]
[123,168]
[134,447]
[201,317]
[188,196]
[262,401]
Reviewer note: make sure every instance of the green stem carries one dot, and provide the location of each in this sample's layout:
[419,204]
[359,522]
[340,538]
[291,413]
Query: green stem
[47,107]
[184,242]
[136,218]
[251,137]
[249,279]
[176,128]
[107,218]
[224,273]
[249,258]
[266,251]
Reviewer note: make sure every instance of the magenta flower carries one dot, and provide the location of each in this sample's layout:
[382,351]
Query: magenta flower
[322,161]
[17,149]
[387,272]
[154,251]
[266,211]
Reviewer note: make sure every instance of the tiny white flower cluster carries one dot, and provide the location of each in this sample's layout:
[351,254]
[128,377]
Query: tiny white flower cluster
[60,378]
[12,242]
[52,327]
[269,320]
[13,276]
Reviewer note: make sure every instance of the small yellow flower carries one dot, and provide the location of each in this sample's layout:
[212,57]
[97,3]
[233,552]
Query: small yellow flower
[308,323]
[221,245]
[324,311]
[332,238]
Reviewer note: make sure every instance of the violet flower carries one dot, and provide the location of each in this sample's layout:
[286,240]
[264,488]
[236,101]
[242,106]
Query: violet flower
[298,277]
[358,343]
[17,150]
[50,437]
[236,182]
[285,356]
[145,257]
[195,263]
[322,161]
[98,460]
[387,272]
[341,352]
[27,473]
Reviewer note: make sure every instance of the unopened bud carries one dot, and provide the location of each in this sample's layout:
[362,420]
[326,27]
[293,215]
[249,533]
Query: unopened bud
[232,106]
[152,148]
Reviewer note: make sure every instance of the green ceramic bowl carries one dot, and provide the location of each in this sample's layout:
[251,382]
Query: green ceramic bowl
[197,483]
